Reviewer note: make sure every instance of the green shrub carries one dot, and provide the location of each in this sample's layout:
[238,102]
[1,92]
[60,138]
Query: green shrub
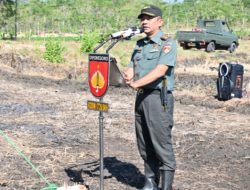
[242,33]
[53,52]
[89,40]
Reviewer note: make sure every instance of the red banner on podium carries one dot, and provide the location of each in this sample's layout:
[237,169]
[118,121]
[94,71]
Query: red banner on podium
[98,75]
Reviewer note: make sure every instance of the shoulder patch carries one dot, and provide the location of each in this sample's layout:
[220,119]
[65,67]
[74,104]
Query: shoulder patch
[167,48]
[165,37]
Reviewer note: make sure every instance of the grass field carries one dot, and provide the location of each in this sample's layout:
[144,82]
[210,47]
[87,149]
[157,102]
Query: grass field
[121,51]
[43,109]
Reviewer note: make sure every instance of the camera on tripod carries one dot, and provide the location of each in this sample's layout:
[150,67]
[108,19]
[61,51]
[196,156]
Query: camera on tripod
[230,81]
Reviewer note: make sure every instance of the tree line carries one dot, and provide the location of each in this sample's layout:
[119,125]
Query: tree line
[37,17]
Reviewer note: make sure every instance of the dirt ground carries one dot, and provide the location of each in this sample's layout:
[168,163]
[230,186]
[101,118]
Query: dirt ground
[43,110]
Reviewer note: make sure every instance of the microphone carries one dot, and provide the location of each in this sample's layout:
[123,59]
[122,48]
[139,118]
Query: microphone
[127,33]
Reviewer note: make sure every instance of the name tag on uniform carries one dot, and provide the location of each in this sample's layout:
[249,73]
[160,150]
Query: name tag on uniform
[153,50]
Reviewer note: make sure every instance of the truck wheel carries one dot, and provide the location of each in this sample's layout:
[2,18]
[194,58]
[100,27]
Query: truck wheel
[198,46]
[232,47]
[210,47]
[185,46]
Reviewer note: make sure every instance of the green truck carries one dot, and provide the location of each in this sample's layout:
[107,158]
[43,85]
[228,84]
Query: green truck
[209,34]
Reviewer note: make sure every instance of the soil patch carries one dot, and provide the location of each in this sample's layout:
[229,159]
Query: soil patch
[46,116]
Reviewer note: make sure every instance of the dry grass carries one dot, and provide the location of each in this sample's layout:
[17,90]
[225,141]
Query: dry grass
[46,115]
[188,61]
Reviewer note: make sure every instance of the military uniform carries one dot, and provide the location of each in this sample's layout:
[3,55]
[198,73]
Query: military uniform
[154,123]
[149,53]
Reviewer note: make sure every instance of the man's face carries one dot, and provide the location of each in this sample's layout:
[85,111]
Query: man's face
[150,24]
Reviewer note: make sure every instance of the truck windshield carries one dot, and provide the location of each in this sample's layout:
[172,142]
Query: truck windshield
[210,24]
[225,27]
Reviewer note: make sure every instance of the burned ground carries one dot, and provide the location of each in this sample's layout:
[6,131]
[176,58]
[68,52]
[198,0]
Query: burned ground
[44,111]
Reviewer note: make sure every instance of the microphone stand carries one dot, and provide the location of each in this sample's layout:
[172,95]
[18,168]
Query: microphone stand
[110,46]
[101,44]
[101,117]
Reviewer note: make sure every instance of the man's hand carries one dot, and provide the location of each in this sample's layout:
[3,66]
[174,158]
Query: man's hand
[156,73]
[128,74]
[132,84]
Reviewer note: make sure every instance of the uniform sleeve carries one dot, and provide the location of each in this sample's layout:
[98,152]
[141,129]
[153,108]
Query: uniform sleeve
[131,63]
[168,53]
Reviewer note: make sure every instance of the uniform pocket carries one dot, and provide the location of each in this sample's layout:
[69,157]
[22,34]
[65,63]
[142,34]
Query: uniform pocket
[153,55]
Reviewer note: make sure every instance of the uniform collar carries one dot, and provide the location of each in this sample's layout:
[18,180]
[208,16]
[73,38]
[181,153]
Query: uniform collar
[156,38]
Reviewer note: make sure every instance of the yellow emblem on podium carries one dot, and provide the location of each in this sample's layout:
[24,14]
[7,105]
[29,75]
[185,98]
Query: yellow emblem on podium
[97,80]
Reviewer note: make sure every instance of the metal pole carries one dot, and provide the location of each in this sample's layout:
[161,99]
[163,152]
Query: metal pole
[101,118]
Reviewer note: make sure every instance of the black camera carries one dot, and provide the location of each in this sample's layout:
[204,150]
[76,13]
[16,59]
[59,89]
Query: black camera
[230,81]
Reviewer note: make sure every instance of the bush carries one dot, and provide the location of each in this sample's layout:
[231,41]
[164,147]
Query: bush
[243,33]
[88,41]
[53,52]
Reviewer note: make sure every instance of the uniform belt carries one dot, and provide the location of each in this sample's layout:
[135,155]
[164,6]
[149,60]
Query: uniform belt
[150,91]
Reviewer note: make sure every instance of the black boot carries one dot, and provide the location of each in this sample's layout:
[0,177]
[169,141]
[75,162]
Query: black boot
[151,175]
[167,179]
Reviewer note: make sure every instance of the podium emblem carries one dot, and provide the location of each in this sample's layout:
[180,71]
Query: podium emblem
[98,75]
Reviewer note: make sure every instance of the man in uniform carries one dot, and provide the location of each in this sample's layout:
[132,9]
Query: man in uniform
[151,73]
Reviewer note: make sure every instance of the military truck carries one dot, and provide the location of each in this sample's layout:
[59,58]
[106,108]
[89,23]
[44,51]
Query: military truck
[209,34]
